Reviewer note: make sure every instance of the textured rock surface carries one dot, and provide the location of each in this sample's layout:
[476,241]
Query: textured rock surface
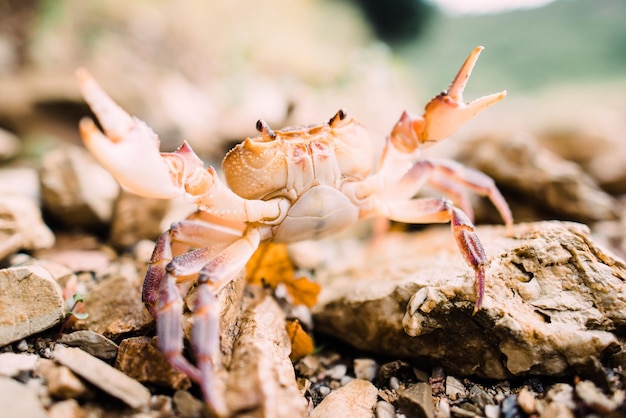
[30,301]
[553,299]
[261,376]
[524,166]
[357,399]
[21,226]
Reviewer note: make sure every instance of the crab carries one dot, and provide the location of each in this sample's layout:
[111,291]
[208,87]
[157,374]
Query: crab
[284,185]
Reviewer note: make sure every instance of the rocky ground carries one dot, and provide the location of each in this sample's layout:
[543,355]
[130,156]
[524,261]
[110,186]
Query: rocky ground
[393,328]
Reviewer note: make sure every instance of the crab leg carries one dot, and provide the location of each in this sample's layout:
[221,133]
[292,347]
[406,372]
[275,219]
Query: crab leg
[450,177]
[437,210]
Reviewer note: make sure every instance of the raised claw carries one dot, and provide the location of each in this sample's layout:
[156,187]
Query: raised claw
[129,149]
[444,114]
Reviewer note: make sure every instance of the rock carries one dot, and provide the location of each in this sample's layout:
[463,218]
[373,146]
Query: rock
[10,145]
[19,400]
[65,409]
[103,376]
[357,399]
[136,218]
[526,399]
[596,400]
[261,376]
[95,344]
[365,368]
[524,166]
[140,358]
[552,299]
[114,306]
[417,401]
[30,301]
[21,226]
[186,405]
[63,384]
[12,364]
[385,410]
[75,189]
[21,181]
[454,388]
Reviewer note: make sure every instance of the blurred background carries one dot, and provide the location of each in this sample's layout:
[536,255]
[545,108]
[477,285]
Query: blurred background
[205,71]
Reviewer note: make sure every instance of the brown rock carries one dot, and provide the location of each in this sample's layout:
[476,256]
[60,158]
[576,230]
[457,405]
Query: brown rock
[114,306]
[95,344]
[136,218]
[30,302]
[357,399]
[552,299]
[140,358]
[64,384]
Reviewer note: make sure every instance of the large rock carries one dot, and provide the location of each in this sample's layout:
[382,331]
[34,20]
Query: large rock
[30,301]
[553,299]
[21,226]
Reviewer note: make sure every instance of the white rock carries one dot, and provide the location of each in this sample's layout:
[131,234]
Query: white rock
[12,364]
[355,400]
[365,368]
[103,376]
[19,400]
[30,302]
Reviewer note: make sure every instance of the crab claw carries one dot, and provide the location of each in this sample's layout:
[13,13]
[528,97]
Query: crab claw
[128,149]
[445,113]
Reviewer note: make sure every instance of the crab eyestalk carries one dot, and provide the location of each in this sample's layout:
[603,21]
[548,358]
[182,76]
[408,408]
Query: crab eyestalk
[444,114]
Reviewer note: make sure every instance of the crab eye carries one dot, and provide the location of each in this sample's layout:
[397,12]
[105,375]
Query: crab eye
[266,132]
[339,116]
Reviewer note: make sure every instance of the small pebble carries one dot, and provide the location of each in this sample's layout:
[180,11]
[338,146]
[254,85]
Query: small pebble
[492,411]
[365,368]
[337,372]
[385,410]
[394,383]
[22,346]
[323,390]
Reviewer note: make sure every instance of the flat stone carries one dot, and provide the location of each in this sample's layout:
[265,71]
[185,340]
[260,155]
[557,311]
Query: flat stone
[21,226]
[553,298]
[140,358]
[103,376]
[30,301]
[19,400]
[454,388]
[95,344]
[63,383]
[357,399]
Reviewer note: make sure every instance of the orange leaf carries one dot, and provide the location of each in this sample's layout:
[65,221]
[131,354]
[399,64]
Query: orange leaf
[301,342]
[270,266]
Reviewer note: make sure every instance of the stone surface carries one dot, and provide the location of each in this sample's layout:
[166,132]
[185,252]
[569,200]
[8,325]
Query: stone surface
[30,301]
[21,226]
[261,376]
[417,401]
[114,305]
[95,344]
[140,358]
[103,376]
[136,218]
[357,399]
[11,364]
[524,166]
[75,189]
[552,299]
[19,400]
